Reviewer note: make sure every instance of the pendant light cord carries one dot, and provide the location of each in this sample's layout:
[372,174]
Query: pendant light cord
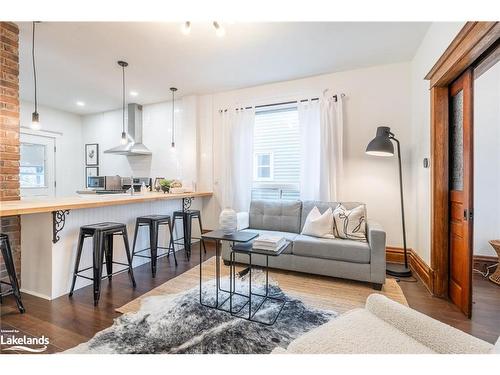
[123,99]
[173,116]
[34,66]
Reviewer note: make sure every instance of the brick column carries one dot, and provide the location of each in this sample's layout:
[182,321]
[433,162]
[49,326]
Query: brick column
[9,135]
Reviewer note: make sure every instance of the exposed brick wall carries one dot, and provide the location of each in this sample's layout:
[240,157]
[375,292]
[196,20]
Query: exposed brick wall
[9,135]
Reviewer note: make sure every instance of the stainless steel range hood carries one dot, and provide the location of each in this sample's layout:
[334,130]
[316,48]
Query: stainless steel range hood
[134,147]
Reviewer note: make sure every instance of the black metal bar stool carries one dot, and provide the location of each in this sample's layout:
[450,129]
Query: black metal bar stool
[186,216]
[11,271]
[102,235]
[153,222]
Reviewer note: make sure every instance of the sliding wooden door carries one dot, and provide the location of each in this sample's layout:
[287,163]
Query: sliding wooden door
[461,193]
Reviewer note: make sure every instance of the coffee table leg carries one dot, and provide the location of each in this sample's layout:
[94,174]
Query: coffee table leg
[250,289]
[267,275]
[217,273]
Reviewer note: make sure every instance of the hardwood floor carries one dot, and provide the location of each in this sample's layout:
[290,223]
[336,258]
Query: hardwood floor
[485,321]
[68,322]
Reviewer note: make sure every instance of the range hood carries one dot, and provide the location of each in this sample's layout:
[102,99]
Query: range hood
[134,147]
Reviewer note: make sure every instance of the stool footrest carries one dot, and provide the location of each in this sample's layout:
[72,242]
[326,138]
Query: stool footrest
[7,292]
[103,277]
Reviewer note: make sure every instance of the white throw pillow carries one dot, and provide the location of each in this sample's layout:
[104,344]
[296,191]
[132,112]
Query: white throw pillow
[350,224]
[318,225]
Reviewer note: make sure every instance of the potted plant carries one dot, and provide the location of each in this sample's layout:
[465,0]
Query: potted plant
[165,185]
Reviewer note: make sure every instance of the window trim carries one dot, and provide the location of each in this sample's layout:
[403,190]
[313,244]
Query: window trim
[256,155]
[45,184]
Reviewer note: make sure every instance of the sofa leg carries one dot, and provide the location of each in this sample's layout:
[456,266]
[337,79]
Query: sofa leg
[377,286]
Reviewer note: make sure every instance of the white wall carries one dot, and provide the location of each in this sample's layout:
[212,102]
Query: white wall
[487,160]
[375,96]
[435,42]
[179,162]
[66,129]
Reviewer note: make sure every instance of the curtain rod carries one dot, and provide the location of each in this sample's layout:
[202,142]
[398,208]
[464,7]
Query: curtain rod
[282,103]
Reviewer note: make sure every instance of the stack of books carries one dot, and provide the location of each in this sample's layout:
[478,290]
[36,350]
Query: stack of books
[269,243]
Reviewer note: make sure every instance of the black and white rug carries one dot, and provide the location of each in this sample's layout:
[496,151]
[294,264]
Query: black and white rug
[180,324]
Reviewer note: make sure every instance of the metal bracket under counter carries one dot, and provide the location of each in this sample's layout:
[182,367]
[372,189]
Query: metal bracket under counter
[59,218]
[186,203]
[58,222]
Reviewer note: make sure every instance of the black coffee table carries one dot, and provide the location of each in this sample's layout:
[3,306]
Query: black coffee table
[218,236]
[248,249]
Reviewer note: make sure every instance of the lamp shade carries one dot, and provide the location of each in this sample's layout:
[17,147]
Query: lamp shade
[381,145]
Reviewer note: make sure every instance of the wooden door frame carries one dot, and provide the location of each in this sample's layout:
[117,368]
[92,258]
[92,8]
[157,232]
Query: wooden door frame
[472,42]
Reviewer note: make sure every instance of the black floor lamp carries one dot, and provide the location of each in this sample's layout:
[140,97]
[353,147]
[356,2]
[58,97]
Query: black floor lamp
[382,145]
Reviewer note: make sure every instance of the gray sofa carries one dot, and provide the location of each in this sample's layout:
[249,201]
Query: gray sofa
[347,259]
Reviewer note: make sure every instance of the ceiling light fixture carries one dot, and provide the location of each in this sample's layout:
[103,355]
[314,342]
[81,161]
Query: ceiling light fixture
[186,28]
[124,139]
[35,117]
[80,104]
[173,89]
[219,30]
[133,93]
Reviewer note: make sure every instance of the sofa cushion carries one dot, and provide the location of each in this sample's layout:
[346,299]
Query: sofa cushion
[286,235]
[350,223]
[355,332]
[319,225]
[336,249]
[282,215]
[307,206]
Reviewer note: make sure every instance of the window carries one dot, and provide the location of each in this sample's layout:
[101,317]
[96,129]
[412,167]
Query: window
[32,166]
[263,166]
[276,163]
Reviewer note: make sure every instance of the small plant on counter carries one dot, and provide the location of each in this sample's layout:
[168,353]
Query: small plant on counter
[165,185]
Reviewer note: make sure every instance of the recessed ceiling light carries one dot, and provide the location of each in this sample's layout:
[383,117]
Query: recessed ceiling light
[80,103]
[186,28]
[133,93]
[219,30]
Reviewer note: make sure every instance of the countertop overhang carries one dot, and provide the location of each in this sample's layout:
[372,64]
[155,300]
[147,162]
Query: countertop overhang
[33,206]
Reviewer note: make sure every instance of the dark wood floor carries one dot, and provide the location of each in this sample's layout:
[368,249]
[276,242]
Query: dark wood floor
[68,322]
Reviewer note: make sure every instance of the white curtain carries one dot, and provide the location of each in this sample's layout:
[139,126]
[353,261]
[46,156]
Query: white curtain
[331,146]
[235,185]
[309,120]
[242,159]
[321,133]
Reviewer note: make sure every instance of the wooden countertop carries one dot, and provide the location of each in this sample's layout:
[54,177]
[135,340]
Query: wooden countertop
[32,206]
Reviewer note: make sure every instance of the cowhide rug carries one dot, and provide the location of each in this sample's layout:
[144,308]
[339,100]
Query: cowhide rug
[178,323]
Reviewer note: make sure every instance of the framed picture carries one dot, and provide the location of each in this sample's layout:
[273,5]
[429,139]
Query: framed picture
[90,172]
[92,154]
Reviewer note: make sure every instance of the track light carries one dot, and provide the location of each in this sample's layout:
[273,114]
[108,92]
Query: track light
[186,28]
[219,30]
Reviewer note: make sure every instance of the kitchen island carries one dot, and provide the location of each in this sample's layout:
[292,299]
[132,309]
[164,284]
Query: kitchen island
[50,227]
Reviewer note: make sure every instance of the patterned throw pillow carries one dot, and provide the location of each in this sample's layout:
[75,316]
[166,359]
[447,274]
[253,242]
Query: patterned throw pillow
[350,224]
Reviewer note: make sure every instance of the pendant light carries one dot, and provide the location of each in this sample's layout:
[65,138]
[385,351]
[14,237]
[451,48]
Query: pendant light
[124,139]
[173,89]
[35,117]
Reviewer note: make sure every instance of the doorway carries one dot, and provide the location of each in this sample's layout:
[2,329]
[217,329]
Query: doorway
[485,281]
[474,183]
[37,166]
[473,44]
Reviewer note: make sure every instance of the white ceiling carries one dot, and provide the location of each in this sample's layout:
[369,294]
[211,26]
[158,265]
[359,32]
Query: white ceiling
[77,61]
